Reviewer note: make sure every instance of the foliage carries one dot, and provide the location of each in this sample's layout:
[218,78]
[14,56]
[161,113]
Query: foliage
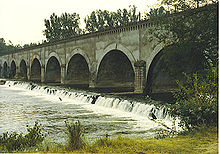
[7,48]
[191,39]
[182,5]
[101,20]
[62,27]
[14,141]
[156,12]
[75,133]
[197,100]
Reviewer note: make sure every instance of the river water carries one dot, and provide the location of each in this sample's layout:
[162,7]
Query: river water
[24,103]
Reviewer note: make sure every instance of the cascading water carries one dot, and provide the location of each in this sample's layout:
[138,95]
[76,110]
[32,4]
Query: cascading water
[100,114]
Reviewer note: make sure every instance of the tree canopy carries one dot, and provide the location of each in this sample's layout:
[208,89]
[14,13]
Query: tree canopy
[103,19]
[192,38]
[7,48]
[62,27]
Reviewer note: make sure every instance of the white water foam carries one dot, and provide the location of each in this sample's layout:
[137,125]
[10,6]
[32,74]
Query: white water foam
[141,113]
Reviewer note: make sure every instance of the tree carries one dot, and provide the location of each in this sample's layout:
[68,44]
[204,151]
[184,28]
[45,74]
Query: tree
[100,20]
[7,48]
[182,5]
[192,38]
[62,27]
[156,12]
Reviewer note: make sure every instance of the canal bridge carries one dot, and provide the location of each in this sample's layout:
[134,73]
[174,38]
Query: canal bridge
[118,57]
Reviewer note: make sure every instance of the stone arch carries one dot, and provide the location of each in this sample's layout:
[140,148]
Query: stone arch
[53,54]
[78,70]
[81,52]
[115,70]
[12,69]
[0,70]
[53,70]
[35,73]
[23,69]
[5,72]
[152,55]
[36,56]
[119,47]
[158,81]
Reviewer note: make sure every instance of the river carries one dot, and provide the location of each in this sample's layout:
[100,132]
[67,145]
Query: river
[24,103]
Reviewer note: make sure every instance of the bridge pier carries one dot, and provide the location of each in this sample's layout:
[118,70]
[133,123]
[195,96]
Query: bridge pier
[18,72]
[92,80]
[42,79]
[63,73]
[140,76]
[28,73]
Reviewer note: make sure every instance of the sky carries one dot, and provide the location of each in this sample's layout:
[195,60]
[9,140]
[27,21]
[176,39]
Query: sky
[22,21]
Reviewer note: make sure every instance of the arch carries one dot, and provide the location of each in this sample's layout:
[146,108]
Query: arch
[119,47]
[12,69]
[53,70]
[53,54]
[159,81]
[115,70]
[80,52]
[23,69]
[151,73]
[36,56]
[0,70]
[5,72]
[77,70]
[35,70]
[152,55]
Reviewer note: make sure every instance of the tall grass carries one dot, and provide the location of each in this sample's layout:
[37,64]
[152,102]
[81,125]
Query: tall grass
[75,133]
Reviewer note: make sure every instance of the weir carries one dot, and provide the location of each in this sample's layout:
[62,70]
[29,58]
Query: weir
[142,109]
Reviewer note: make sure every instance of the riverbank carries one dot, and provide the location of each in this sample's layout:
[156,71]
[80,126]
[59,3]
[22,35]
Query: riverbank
[204,140]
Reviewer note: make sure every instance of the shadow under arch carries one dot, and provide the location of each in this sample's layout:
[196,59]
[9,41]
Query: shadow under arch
[78,71]
[12,69]
[159,83]
[115,71]
[23,69]
[35,74]
[5,69]
[53,70]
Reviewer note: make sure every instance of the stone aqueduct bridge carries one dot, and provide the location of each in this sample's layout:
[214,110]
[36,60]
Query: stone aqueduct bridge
[119,57]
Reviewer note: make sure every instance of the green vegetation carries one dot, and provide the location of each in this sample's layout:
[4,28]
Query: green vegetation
[10,142]
[203,140]
[103,19]
[197,100]
[62,27]
[198,141]
[75,135]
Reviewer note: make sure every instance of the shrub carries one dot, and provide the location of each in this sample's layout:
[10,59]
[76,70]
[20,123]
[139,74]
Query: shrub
[14,141]
[75,133]
[197,100]
[34,135]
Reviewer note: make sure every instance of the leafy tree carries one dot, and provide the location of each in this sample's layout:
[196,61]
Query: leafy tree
[100,20]
[7,48]
[182,5]
[197,100]
[156,12]
[192,38]
[62,27]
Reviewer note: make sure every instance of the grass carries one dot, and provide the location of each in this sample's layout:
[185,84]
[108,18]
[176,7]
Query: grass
[204,140]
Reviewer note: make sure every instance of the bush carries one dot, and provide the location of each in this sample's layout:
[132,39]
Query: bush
[14,141]
[197,100]
[75,133]
[34,135]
